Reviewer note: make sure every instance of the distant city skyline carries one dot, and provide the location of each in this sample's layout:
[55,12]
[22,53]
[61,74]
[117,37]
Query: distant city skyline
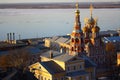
[29,1]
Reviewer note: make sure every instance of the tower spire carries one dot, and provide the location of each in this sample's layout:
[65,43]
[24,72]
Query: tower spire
[77,17]
[91,9]
[76,41]
[77,5]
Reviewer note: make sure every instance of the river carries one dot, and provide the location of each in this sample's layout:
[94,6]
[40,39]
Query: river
[35,23]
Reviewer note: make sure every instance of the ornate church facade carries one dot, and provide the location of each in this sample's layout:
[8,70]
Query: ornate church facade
[86,41]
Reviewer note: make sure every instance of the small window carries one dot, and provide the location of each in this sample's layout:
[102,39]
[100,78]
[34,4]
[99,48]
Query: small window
[68,68]
[40,67]
[41,78]
[80,66]
[74,67]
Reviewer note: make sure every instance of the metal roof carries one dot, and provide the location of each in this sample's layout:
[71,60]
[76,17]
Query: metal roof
[62,40]
[88,62]
[58,56]
[33,50]
[52,67]
[47,54]
[64,57]
[112,39]
[108,33]
[54,38]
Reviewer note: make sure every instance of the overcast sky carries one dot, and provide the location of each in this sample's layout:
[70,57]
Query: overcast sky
[22,1]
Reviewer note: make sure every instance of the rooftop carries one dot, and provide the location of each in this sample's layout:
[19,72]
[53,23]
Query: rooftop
[111,39]
[52,67]
[88,62]
[58,56]
[108,33]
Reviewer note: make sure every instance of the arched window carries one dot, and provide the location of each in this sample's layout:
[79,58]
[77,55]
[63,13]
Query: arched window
[77,40]
[82,40]
[72,48]
[72,39]
[78,48]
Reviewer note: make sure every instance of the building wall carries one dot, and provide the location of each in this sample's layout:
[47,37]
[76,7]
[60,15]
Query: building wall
[92,73]
[81,78]
[118,58]
[74,66]
[58,46]
[44,76]
[40,72]
[47,43]
[59,76]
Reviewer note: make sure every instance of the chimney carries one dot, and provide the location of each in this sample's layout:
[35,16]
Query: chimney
[8,37]
[51,54]
[13,36]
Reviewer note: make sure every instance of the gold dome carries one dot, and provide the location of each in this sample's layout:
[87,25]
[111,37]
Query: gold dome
[85,29]
[91,21]
[95,29]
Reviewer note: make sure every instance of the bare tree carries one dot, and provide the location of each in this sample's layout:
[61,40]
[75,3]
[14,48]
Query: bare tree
[19,59]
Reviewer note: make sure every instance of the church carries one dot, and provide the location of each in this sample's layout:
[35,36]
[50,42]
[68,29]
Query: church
[86,41]
[75,57]
[69,64]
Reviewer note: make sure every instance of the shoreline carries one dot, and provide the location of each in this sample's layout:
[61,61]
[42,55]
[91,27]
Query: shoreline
[59,5]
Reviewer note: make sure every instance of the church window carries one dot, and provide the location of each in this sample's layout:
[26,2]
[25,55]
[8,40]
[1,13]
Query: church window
[72,48]
[72,39]
[81,40]
[41,77]
[77,40]
[68,68]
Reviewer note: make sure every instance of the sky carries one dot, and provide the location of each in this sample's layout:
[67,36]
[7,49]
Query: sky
[24,1]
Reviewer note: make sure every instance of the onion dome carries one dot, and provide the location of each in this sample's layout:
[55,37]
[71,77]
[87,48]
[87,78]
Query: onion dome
[91,21]
[95,29]
[85,29]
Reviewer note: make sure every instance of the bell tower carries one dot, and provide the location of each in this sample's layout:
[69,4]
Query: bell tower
[76,41]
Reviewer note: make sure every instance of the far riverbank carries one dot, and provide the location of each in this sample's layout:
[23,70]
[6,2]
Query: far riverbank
[59,5]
